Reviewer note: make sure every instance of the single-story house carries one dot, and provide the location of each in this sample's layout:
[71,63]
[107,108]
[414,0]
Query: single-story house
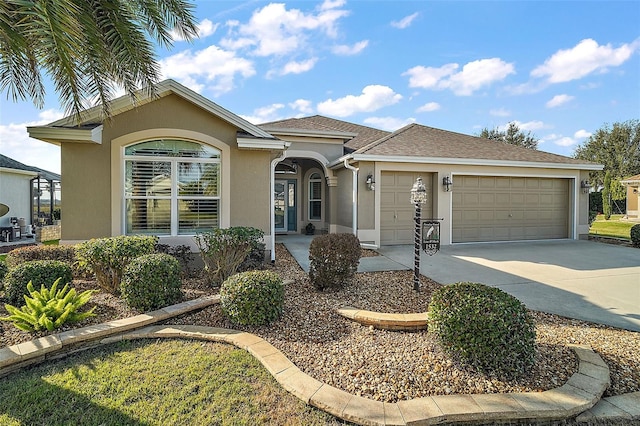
[178,164]
[27,191]
[633,196]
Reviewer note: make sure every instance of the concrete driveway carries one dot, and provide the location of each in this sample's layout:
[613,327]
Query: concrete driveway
[578,279]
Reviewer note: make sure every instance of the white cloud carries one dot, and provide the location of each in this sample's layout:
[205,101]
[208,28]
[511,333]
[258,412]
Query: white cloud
[211,68]
[559,140]
[429,107]
[473,76]
[346,50]
[529,125]
[373,98]
[276,30]
[558,100]
[582,134]
[500,112]
[302,105]
[204,29]
[583,59]
[405,22]
[17,144]
[295,67]
[388,123]
[264,114]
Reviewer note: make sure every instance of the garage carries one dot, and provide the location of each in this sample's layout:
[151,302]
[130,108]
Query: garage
[396,212]
[507,208]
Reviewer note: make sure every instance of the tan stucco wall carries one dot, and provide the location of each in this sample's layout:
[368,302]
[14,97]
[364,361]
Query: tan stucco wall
[92,173]
[344,197]
[633,201]
[366,197]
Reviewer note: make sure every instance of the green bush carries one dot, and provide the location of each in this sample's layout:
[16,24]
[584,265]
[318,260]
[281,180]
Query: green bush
[333,260]
[484,327]
[64,253]
[39,272]
[107,257]
[181,252]
[252,298]
[635,235]
[49,309]
[151,282]
[3,271]
[224,251]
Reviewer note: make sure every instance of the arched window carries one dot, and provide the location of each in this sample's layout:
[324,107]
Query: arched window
[171,187]
[315,196]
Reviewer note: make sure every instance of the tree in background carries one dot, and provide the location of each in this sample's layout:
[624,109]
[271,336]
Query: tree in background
[512,135]
[617,147]
[88,48]
[606,195]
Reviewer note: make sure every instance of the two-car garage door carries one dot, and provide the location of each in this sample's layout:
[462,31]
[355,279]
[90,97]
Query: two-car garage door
[504,208]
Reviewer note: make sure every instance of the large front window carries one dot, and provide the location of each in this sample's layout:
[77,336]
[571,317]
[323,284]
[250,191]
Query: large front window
[171,187]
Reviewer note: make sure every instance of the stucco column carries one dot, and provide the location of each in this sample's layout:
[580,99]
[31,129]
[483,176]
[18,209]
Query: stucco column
[332,197]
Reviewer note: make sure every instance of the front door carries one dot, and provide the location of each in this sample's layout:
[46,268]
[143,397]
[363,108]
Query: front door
[285,205]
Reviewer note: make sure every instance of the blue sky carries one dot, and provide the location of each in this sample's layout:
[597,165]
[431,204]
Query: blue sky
[559,69]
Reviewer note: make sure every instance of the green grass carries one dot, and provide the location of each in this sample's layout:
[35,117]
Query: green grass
[144,382]
[613,227]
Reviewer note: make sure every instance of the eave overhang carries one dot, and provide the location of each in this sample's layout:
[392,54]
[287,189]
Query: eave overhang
[463,162]
[263,144]
[57,135]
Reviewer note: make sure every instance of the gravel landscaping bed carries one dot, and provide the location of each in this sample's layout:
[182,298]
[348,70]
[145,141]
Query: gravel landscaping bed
[386,365]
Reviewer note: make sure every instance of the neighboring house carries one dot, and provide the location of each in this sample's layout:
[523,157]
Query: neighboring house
[633,196]
[18,182]
[179,164]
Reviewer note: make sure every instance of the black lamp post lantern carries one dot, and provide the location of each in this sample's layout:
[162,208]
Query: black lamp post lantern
[418,198]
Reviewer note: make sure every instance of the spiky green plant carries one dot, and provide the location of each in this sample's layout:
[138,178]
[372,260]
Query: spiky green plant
[49,309]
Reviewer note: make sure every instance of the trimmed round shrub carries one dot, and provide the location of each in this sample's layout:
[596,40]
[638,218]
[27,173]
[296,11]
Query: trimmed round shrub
[252,298]
[635,235]
[39,272]
[151,281]
[63,253]
[333,260]
[484,327]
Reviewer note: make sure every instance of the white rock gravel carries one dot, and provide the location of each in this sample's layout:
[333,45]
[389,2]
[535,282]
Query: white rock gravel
[387,365]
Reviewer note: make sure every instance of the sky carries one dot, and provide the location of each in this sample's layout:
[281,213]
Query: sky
[560,70]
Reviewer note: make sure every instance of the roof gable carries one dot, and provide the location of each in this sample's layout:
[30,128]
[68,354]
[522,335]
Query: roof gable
[10,163]
[363,135]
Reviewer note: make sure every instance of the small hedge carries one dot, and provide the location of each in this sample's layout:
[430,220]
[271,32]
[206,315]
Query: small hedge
[333,260]
[3,271]
[484,327]
[252,298]
[66,254]
[635,235]
[107,257]
[39,272]
[151,282]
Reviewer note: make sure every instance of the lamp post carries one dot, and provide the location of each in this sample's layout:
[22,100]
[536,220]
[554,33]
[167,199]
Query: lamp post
[418,198]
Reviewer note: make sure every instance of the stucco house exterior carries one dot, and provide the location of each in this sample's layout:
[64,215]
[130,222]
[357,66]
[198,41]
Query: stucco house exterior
[179,164]
[633,196]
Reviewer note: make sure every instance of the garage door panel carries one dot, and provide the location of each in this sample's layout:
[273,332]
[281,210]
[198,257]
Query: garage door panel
[487,208]
[396,211]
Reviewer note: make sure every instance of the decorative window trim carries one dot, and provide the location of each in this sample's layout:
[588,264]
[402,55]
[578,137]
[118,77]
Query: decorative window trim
[118,146]
[309,200]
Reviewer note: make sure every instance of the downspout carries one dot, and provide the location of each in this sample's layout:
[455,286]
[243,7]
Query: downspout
[272,203]
[354,220]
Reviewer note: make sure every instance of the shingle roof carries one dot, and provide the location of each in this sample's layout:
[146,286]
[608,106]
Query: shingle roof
[415,140]
[10,163]
[365,135]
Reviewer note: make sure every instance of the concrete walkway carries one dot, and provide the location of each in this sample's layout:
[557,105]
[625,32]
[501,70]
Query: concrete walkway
[577,279]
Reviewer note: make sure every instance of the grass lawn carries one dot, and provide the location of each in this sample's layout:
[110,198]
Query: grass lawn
[613,227]
[152,382]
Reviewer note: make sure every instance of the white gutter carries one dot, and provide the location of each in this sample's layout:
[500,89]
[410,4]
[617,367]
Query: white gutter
[354,220]
[272,203]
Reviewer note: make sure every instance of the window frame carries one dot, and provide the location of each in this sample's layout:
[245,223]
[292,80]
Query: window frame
[174,197]
[310,181]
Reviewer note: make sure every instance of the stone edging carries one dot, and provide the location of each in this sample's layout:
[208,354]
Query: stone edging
[386,321]
[581,392]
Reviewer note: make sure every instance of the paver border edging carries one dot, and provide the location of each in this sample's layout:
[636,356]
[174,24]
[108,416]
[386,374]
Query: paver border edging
[581,392]
[386,321]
